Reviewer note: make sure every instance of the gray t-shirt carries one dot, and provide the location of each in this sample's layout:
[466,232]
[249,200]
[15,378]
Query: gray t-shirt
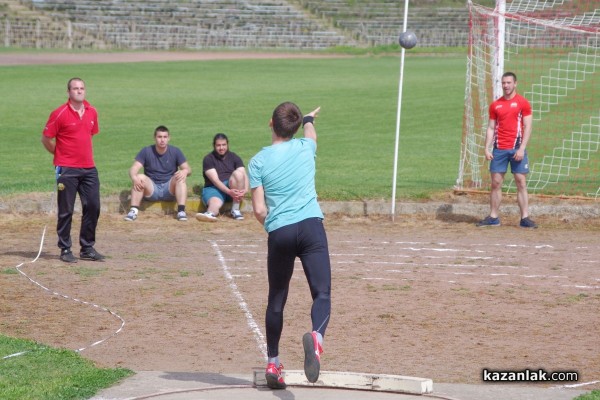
[160,167]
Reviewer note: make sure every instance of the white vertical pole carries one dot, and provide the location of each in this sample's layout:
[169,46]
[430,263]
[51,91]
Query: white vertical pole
[393,212]
[7,32]
[498,64]
[69,35]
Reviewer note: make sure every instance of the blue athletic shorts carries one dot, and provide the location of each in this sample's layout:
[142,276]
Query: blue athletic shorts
[213,191]
[161,192]
[502,158]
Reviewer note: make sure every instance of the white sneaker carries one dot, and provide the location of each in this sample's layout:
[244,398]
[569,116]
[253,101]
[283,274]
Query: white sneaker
[206,217]
[181,216]
[237,214]
[131,215]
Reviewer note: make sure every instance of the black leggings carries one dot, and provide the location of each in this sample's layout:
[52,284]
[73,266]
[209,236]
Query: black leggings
[308,241]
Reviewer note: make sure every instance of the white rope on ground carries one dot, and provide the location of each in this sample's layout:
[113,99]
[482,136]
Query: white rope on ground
[18,269]
[575,385]
[101,308]
[251,386]
[15,354]
[260,339]
[64,296]
[195,390]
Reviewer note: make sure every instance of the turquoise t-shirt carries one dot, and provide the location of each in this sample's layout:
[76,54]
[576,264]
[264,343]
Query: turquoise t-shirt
[286,171]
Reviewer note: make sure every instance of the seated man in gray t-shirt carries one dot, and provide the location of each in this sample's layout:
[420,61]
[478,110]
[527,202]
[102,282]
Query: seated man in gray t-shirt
[165,172]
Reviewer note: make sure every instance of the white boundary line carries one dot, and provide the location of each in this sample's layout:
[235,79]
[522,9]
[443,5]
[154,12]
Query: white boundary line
[18,268]
[575,385]
[450,250]
[260,339]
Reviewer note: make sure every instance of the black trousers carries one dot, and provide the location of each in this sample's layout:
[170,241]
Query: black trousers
[70,182]
[308,241]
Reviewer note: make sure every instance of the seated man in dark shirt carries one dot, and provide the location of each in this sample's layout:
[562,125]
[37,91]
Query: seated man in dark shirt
[225,180]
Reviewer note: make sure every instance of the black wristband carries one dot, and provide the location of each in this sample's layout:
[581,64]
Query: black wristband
[309,119]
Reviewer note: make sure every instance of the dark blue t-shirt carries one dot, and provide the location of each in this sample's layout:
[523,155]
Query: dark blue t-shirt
[160,167]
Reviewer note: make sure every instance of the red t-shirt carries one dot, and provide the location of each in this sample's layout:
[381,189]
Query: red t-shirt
[73,135]
[509,115]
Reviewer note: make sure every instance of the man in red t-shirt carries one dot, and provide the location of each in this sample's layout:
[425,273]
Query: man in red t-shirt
[509,130]
[68,135]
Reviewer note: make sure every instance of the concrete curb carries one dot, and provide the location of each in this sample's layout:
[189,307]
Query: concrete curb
[166,385]
[462,210]
[353,380]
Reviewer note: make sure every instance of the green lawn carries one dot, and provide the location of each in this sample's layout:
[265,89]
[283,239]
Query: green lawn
[593,395]
[45,373]
[358,96]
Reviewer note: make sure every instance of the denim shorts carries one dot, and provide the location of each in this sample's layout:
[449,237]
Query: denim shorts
[161,192]
[213,191]
[502,158]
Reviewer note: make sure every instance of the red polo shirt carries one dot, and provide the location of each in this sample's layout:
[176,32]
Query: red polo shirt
[73,135]
[509,115]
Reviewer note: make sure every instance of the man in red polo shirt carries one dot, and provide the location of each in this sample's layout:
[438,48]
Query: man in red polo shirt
[68,135]
[509,130]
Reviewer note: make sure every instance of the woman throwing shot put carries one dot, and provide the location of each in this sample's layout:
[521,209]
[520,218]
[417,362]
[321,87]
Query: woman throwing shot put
[282,180]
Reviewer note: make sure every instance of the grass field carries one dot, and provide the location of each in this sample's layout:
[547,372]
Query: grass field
[356,127]
[46,373]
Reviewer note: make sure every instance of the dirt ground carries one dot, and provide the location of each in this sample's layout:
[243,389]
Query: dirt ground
[28,58]
[418,297]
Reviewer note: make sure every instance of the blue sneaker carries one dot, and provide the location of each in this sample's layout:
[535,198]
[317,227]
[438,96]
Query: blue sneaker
[489,221]
[527,223]
[237,215]
[131,215]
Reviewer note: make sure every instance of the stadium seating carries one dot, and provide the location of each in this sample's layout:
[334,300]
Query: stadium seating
[380,22]
[201,24]
[164,24]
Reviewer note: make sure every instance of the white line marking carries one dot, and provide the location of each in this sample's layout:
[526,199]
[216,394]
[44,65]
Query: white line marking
[424,265]
[377,279]
[508,245]
[258,336]
[574,385]
[15,354]
[437,249]
[64,296]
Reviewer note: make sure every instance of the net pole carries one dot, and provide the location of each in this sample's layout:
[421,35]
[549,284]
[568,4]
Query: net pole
[400,84]
[498,64]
